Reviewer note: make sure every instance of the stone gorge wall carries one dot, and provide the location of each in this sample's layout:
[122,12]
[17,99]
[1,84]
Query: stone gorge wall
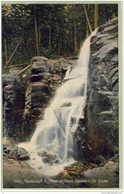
[25,97]
[98,134]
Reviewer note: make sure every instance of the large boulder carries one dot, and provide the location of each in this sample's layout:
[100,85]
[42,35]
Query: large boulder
[103,177]
[15,152]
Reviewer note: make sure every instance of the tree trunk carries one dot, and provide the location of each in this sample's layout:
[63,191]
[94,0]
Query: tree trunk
[75,30]
[87,31]
[58,43]
[39,35]
[13,52]
[5,47]
[96,16]
[24,69]
[49,36]
[36,37]
[88,22]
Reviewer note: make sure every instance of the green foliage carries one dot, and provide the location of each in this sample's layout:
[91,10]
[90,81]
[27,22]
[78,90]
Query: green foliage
[55,24]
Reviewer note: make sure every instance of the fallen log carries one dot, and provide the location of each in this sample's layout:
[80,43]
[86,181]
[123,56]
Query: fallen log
[20,72]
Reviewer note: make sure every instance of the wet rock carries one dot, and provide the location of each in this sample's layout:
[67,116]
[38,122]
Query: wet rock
[48,158]
[23,157]
[66,104]
[17,153]
[22,154]
[42,153]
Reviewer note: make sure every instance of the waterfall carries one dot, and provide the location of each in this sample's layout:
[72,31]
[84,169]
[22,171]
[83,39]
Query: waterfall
[54,133]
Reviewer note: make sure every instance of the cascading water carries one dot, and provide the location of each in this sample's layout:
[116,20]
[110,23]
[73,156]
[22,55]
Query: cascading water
[54,134]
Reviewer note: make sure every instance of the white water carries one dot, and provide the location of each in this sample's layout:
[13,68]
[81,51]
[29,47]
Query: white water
[55,133]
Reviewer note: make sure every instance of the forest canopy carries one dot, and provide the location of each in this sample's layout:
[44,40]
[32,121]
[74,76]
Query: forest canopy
[50,30]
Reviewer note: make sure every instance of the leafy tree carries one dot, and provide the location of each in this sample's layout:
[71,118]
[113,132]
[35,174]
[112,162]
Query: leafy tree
[50,30]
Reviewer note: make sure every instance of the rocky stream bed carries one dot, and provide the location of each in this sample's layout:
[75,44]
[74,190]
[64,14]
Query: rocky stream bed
[18,174]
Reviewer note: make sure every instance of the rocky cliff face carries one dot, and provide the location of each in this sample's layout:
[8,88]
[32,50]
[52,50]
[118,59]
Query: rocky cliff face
[97,135]
[13,106]
[25,97]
